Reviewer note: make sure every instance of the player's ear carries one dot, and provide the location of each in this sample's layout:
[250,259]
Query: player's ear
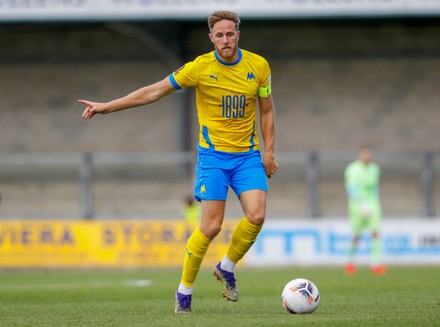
[210,37]
[238,35]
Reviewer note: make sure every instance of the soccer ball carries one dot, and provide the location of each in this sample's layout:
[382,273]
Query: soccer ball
[300,296]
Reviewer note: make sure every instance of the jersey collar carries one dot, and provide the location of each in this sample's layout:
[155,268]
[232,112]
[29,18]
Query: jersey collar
[229,63]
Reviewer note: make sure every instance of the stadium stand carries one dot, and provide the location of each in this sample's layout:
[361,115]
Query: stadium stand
[337,85]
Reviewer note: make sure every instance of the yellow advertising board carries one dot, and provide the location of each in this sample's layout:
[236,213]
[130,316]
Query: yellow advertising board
[102,244]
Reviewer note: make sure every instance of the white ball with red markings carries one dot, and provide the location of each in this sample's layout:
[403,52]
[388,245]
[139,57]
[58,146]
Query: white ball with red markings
[300,296]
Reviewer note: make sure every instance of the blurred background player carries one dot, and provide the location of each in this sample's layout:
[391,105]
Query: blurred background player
[190,211]
[229,82]
[362,179]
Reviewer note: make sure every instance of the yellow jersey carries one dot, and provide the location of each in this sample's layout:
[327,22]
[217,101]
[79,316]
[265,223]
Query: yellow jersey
[226,95]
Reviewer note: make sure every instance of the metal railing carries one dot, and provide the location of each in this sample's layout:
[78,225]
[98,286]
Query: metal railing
[316,177]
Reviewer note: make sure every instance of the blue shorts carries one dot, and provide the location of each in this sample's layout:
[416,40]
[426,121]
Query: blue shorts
[216,171]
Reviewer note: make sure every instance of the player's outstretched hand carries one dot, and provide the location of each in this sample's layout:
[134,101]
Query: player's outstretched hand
[92,109]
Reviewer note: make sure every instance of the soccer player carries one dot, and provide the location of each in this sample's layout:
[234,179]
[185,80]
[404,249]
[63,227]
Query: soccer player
[229,82]
[190,211]
[362,178]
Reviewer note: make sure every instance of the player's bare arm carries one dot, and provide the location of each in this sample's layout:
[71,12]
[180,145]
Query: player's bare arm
[267,123]
[142,96]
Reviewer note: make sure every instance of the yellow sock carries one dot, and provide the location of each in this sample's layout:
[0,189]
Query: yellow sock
[195,251]
[244,235]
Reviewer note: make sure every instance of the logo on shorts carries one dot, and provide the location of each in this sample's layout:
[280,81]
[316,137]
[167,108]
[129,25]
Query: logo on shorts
[202,189]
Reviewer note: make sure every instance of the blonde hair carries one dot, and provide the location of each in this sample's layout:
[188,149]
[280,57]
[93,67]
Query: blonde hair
[217,16]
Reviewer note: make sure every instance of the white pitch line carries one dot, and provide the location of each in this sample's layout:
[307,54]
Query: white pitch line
[92,283]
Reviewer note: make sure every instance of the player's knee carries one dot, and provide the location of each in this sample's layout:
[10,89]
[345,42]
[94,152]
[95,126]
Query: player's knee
[210,230]
[213,231]
[256,218]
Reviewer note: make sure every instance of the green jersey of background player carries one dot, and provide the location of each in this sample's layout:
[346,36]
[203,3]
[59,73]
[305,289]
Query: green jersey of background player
[362,179]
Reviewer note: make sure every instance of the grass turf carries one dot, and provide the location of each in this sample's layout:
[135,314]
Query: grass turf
[406,296]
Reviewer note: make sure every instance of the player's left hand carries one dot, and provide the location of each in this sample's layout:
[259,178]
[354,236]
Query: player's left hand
[270,165]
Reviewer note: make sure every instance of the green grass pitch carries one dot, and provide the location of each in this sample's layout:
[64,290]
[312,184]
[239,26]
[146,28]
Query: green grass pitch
[406,296]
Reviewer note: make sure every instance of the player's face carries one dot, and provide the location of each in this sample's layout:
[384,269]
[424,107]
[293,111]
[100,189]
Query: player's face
[224,36]
[365,155]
